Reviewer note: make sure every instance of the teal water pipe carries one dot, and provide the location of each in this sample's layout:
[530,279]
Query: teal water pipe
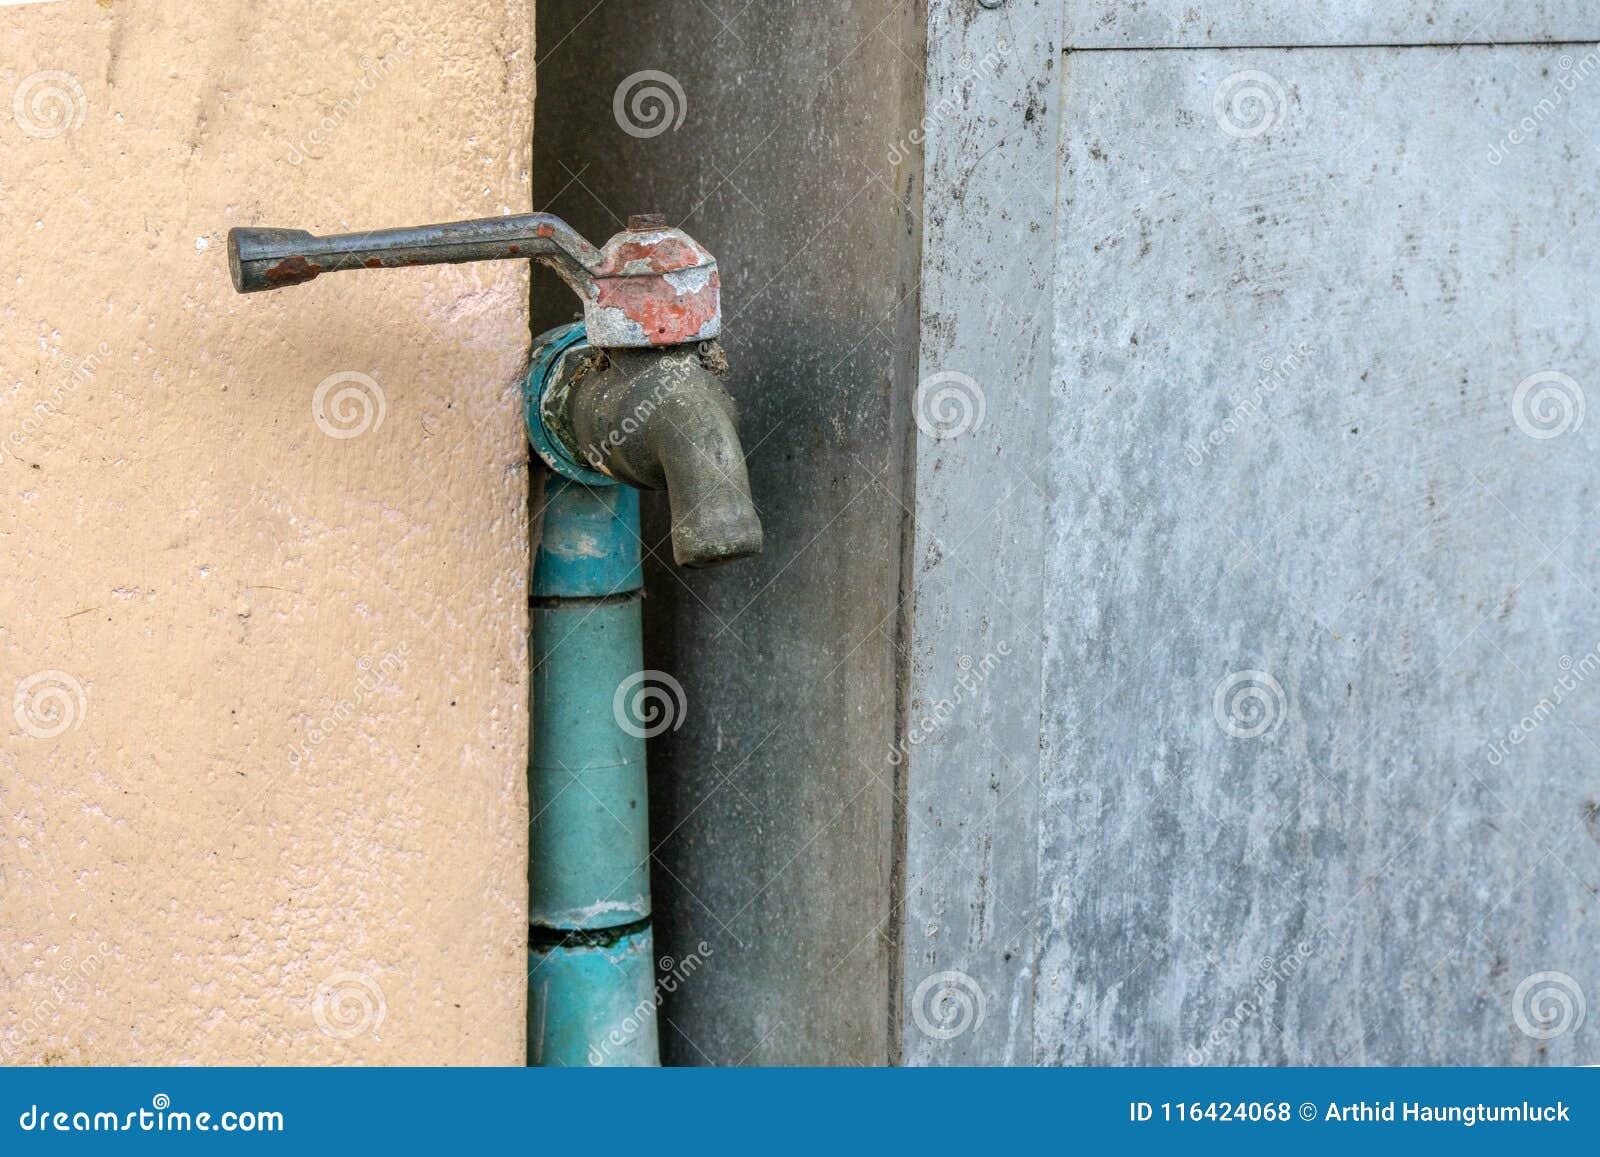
[591,969]
[660,421]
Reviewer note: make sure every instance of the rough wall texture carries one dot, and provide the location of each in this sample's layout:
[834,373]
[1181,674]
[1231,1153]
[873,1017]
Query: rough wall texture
[972,713]
[1320,726]
[1231,23]
[263,730]
[1317,716]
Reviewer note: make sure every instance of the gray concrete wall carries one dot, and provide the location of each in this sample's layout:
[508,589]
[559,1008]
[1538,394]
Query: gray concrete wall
[1316,544]
[971,725]
[1310,769]
[1185,24]
[773,805]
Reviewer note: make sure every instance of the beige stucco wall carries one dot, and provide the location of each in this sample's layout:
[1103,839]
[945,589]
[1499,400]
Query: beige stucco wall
[262,685]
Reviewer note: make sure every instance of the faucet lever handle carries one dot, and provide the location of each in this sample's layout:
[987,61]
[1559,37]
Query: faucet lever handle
[650,285]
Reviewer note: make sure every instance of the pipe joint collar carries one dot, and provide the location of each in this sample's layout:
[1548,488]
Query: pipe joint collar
[548,354]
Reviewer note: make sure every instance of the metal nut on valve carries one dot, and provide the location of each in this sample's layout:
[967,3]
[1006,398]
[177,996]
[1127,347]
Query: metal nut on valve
[653,286]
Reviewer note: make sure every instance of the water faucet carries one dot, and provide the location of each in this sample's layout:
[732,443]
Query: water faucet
[658,419]
[632,395]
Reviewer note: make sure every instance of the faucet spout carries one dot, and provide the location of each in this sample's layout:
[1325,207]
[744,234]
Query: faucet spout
[660,419]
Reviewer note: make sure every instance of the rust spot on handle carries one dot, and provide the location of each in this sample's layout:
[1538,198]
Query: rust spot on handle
[292,271]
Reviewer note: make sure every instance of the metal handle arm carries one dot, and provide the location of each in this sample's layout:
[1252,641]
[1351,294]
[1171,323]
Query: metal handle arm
[652,285]
[262,259]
